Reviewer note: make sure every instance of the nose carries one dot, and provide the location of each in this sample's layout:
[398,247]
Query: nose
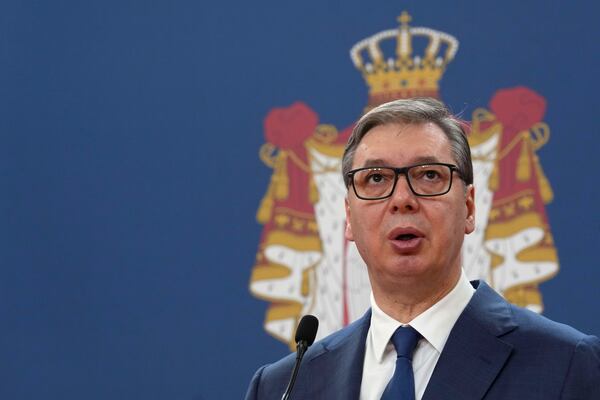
[403,199]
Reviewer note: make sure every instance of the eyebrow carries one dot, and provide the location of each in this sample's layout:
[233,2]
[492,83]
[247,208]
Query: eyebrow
[378,162]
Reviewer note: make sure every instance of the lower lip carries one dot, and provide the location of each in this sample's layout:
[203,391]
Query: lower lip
[406,246]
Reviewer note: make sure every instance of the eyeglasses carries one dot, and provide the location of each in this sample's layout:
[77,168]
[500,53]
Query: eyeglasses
[426,180]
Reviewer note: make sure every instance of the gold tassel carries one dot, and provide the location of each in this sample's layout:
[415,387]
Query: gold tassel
[494,180]
[280,177]
[265,210]
[313,191]
[524,162]
[545,188]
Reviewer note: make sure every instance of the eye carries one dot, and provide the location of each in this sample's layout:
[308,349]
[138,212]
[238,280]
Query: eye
[375,177]
[431,174]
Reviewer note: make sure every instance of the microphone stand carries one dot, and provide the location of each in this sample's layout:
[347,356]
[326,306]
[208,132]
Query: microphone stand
[300,350]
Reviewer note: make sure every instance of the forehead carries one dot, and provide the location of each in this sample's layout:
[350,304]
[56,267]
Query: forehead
[403,144]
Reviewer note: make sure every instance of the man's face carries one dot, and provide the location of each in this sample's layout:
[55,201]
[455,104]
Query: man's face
[406,238]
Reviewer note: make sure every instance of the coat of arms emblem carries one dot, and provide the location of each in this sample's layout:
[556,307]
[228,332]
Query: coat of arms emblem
[303,263]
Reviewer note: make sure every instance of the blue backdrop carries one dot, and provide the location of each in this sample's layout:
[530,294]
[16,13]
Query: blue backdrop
[131,177]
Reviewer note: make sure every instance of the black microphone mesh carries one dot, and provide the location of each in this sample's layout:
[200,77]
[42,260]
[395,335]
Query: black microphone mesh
[307,329]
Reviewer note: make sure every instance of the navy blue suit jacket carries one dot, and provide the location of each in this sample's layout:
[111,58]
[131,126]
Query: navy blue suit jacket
[494,351]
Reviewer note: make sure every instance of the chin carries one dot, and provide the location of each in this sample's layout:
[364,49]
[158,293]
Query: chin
[408,269]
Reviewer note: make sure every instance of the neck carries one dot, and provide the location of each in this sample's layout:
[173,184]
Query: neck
[409,301]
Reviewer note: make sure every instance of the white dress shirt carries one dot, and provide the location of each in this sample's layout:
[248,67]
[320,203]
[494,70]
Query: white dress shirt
[434,325]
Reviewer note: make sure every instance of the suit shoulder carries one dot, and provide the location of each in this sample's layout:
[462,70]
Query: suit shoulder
[273,378]
[358,327]
[270,379]
[537,327]
[276,375]
[519,325]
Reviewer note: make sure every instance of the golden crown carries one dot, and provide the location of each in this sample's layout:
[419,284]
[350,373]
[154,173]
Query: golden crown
[407,75]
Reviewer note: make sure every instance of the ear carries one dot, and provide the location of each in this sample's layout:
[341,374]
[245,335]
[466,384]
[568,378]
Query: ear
[348,231]
[470,204]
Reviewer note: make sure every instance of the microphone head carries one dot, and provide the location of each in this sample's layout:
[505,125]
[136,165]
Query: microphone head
[307,329]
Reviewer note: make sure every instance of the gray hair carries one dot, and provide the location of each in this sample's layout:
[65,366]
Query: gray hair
[413,111]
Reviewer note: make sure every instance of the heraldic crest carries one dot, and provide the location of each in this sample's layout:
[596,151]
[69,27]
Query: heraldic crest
[303,263]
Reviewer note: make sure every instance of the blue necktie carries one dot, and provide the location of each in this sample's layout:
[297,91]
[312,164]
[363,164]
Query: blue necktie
[402,384]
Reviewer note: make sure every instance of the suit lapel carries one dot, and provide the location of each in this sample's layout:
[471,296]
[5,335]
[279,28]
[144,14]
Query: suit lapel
[336,367]
[474,353]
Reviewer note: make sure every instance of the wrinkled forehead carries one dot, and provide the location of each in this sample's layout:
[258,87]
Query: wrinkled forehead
[397,128]
[403,144]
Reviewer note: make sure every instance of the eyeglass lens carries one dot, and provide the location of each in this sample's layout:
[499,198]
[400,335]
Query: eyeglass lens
[427,180]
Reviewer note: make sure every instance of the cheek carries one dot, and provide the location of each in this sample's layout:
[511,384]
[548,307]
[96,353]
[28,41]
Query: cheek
[356,228]
[362,226]
[459,227]
[449,222]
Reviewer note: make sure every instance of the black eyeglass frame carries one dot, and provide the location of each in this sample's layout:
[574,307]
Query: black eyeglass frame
[404,171]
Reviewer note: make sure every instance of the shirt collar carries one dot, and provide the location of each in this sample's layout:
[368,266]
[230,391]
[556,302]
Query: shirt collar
[434,324]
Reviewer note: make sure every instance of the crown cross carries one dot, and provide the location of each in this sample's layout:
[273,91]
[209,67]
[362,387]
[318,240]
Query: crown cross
[404,18]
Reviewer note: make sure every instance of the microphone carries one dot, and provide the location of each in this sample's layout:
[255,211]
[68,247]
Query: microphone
[305,336]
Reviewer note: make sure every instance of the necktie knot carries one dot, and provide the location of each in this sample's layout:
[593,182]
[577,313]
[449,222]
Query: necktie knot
[405,340]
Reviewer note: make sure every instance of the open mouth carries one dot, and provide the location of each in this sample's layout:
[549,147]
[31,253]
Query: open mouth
[406,241]
[405,237]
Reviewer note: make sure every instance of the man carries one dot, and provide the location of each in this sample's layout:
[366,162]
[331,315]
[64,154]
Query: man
[430,334]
